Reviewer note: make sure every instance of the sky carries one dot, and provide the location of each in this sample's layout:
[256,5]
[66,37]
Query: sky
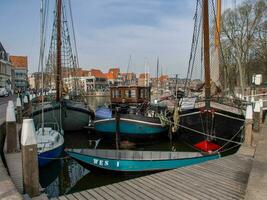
[108,32]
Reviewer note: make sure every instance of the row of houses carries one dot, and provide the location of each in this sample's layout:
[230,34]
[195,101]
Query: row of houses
[94,80]
[13,71]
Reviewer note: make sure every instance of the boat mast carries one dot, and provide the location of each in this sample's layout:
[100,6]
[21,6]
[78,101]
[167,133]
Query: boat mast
[206,51]
[218,24]
[215,73]
[157,77]
[58,70]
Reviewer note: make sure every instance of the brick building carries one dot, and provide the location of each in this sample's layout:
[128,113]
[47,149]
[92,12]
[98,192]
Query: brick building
[20,67]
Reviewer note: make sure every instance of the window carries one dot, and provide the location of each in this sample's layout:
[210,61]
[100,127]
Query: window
[128,93]
[116,93]
[133,93]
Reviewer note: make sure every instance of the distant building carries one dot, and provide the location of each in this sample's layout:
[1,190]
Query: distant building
[35,80]
[162,83]
[114,76]
[98,82]
[5,70]
[144,79]
[129,78]
[89,81]
[31,80]
[20,66]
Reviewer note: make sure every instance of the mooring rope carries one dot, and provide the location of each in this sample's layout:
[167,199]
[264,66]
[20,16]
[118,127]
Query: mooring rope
[241,128]
[60,158]
[224,115]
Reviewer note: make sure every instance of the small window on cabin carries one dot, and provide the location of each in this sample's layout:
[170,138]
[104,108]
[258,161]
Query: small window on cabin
[113,94]
[127,93]
[142,93]
[117,93]
[146,93]
[133,94]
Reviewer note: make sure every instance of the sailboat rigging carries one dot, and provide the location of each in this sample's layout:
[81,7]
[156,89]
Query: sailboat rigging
[211,126]
[72,115]
[49,136]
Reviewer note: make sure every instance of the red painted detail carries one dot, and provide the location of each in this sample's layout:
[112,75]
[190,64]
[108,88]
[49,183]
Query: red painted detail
[207,146]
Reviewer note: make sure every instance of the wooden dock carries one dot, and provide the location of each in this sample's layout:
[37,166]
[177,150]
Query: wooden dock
[224,178]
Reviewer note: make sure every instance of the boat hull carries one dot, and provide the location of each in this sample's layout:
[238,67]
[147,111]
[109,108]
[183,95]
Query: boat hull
[227,128]
[131,127]
[48,156]
[70,117]
[96,163]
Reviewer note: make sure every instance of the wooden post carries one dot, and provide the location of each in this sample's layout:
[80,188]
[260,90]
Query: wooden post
[19,110]
[256,117]
[117,114]
[248,126]
[30,170]
[11,129]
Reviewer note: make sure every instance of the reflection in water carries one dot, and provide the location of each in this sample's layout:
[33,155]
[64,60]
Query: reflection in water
[68,176]
[95,102]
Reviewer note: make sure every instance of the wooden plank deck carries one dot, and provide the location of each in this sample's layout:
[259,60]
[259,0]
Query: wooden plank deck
[224,178]
[14,164]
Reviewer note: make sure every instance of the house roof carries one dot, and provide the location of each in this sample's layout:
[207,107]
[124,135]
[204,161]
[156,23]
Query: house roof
[113,73]
[97,73]
[19,61]
[163,78]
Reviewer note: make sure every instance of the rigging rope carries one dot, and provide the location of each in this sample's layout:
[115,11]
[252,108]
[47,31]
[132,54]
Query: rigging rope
[228,116]
[219,138]
[49,158]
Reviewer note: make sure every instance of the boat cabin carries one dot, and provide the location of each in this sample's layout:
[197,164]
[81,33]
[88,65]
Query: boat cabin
[131,94]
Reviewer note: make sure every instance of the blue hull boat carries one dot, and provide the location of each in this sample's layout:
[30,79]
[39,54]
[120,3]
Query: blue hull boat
[48,156]
[136,161]
[131,125]
[50,142]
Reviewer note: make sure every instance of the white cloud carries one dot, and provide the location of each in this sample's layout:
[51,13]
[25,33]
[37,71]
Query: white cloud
[170,40]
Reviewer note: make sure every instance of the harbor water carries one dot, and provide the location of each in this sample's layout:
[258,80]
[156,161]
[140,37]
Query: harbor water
[65,175]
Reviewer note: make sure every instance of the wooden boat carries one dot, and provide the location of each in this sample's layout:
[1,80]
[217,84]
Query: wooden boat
[132,101]
[209,125]
[131,125]
[71,115]
[136,161]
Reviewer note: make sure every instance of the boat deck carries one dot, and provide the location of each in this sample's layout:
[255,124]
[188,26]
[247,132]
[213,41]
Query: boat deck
[224,178]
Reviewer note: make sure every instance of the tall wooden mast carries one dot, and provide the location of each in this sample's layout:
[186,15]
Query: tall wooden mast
[218,24]
[206,51]
[59,42]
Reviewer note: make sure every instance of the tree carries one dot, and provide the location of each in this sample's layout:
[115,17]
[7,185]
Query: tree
[243,38]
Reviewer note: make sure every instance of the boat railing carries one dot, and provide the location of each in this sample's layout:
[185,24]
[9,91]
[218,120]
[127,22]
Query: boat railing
[139,155]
